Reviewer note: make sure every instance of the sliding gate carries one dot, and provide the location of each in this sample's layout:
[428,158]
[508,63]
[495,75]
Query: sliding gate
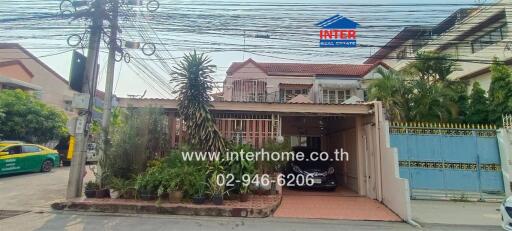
[449,161]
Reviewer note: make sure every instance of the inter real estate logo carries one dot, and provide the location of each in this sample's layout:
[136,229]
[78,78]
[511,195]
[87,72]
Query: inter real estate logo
[338,31]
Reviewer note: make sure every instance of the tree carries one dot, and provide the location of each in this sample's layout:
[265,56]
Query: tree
[23,117]
[432,66]
[500,92]
[394,93]
[194,81]
[478,110]
[425,93]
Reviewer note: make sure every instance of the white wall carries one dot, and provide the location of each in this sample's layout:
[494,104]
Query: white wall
[394,190]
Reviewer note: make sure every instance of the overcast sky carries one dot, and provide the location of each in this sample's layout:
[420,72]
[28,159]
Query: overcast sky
[217,27]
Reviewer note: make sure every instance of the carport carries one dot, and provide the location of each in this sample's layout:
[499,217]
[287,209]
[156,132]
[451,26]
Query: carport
[370,186]
[355,194]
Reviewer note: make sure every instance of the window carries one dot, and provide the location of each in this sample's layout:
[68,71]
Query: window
[288,94]
[30,148]
[335,96]
[13,150]
[489,38]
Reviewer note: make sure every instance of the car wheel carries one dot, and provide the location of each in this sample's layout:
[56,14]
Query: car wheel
[47,166]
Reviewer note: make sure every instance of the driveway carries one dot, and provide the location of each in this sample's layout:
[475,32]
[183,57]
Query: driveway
[341,204]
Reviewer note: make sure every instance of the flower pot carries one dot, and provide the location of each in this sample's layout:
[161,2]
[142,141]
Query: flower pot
[244,197]
[90,193]
[198,200]
[217,199]
[175,196]
[147,196]
[102,193]
[114,194]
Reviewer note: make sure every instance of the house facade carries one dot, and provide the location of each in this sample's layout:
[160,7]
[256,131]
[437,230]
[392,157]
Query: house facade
[472,36]
[252,81]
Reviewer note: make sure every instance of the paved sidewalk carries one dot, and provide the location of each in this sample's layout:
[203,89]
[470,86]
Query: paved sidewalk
[456,213]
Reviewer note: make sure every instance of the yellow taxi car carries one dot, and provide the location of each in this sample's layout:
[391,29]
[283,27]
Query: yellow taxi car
[17,157]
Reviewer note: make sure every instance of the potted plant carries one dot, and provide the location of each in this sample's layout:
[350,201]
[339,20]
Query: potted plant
[90,189]
[118,187]
[216,190]
[147,184]
[244,193]
[177,179]
[199,197]
[103,193]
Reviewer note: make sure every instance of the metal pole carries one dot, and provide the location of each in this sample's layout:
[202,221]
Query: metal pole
[109,84]
[75,180]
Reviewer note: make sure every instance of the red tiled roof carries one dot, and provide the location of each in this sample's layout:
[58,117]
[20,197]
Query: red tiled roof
[306,69]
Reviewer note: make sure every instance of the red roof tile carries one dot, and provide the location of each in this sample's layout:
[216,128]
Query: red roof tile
[306,69]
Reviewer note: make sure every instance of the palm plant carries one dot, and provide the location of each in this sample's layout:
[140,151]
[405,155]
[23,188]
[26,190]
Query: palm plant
[392,90]
[194,81]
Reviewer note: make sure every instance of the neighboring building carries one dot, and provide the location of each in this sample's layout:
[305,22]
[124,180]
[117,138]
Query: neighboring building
[473,36]
[20,69]
[251,81]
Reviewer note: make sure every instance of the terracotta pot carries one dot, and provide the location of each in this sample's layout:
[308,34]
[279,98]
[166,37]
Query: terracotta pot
[217,199]
[90,193]
[244,197]
[198,200]
[175,196]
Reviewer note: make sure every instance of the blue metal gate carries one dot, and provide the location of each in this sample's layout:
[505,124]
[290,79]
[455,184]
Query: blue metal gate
[449,159]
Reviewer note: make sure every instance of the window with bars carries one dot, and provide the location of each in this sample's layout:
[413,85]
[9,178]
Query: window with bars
[335,96]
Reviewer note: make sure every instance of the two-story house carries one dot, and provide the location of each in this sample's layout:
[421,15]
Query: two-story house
[252,81]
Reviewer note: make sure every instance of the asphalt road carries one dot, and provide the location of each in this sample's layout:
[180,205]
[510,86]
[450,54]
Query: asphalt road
[77,221]
[25,205]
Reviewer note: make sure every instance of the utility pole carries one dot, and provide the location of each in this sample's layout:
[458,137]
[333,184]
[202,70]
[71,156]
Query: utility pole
[109,84]
[77,169]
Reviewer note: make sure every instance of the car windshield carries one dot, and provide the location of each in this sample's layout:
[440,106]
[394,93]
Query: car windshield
[2,146]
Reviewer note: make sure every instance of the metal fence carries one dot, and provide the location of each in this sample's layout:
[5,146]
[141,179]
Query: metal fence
[451,161]
[507,121]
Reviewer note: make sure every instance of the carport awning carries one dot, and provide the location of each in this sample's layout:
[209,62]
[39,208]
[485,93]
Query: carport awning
[257,107]
[14,83]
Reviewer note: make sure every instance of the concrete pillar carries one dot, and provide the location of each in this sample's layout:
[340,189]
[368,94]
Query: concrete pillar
[361,159]
[505,146]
